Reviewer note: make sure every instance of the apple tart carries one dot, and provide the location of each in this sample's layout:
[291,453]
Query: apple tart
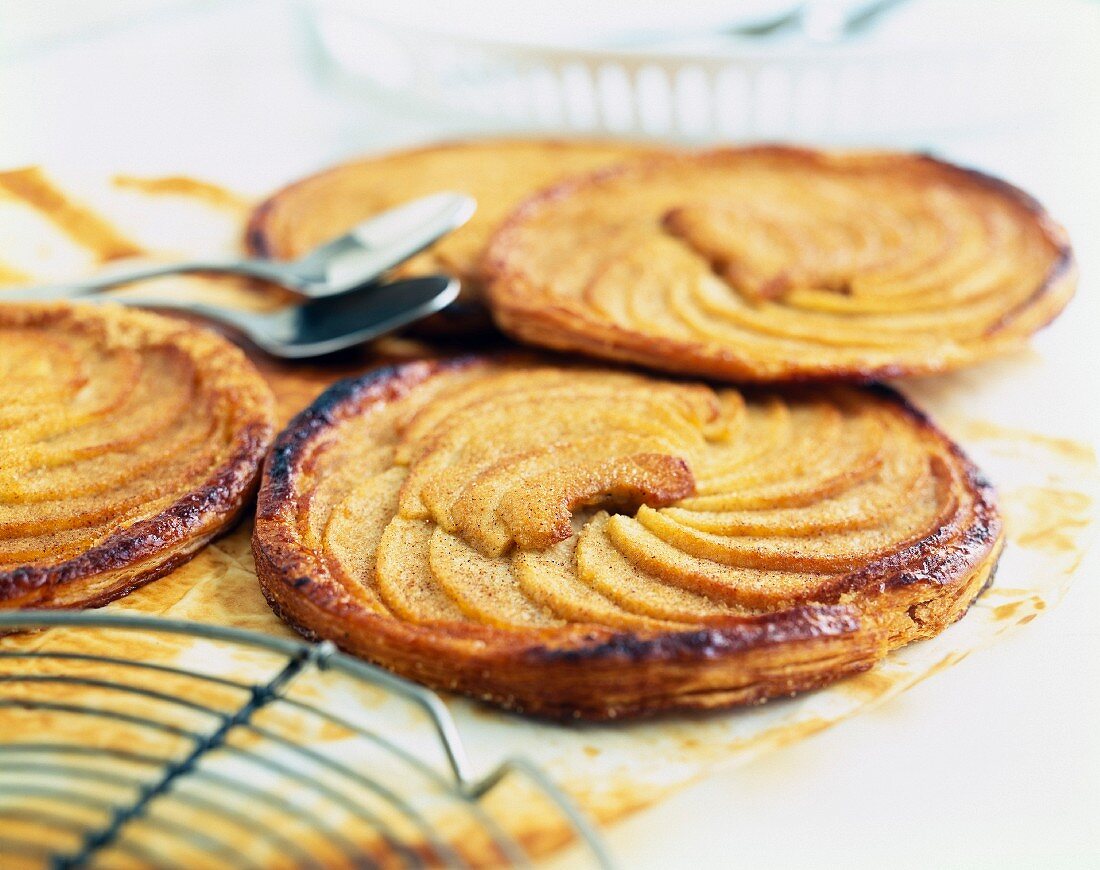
[568,541]
[127,441]
[774,263]
[498,173]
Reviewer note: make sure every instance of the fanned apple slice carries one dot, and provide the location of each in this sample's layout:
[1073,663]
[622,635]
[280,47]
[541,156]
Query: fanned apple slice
[864,505]
[601,566]
[549,578]
[354,531]
[739,586]
[483,588]
[844,551]
[405,580]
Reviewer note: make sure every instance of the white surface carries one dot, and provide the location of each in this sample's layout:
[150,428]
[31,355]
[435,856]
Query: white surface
[993,763]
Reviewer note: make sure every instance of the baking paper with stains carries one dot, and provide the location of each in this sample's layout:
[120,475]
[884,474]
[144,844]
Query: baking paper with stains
[1047,488]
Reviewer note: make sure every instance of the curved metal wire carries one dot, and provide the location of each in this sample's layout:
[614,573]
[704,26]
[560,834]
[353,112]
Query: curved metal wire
[252,825]
[238,790]
[379,739]
[386,794]
[173,769]
[197,777]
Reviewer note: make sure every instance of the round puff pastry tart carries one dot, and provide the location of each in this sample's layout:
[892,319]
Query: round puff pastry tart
[774,263]
[579,542]
[498,173]
[127,441]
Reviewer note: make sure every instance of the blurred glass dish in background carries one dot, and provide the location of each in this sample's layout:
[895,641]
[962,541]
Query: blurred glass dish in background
[750,69]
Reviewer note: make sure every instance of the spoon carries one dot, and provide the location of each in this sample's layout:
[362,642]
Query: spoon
[356,258]
[320,326]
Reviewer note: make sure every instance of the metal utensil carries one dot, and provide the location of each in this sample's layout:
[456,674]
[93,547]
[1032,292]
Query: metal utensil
[351,260]
[835,21]
[322,326]
[820,21]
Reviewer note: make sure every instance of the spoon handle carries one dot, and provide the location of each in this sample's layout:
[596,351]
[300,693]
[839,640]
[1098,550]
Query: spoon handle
[251,268]
[244,321]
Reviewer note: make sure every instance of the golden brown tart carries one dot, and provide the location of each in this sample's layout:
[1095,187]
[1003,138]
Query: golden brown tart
[127,441]
[569,541]
[777,263]
[497,172]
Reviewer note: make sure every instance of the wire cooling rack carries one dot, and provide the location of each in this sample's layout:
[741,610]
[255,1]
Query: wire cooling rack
[135,741]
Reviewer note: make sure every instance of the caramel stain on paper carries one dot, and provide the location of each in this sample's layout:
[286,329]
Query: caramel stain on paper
[870,685]
[949,660]
[876,685]
[1007,610]
[81,224]
[11,275]
[615,800]
[983,430]
[180,185]
[783,734]
[1047,518]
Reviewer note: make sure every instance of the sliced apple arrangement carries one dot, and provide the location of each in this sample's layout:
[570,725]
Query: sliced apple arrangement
[566,540]
[771,263]
[127,441]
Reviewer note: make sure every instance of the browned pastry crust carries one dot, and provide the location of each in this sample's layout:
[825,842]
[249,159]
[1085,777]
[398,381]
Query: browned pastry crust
[128,441]
[497,172]
[775,263]
[412,516]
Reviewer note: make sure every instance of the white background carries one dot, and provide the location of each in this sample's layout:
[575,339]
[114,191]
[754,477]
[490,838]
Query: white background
[993,763]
